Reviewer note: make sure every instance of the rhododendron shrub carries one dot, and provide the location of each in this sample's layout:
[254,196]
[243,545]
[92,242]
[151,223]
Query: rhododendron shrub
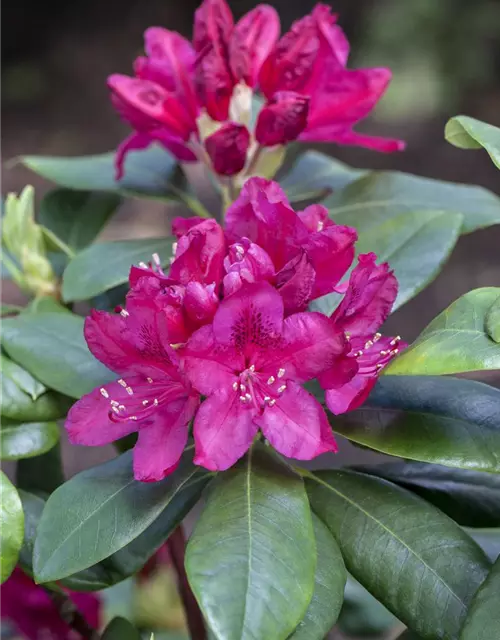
[227,365]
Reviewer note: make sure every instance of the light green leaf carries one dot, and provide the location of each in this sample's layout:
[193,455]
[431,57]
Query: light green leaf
[147,173]
[121,629]
[468,133]
[101,267]
[483,619]
[408,554]
[11,527]
[45,303]
[23,380]
[102,509]
[251,558]
[447,421]
[329,583]
[383,195]
[28,439]
[77,217]
[314,175]
[455,341]
[492,321]
[51,346]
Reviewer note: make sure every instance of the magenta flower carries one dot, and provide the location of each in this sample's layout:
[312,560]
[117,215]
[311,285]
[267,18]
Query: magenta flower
[152,397]
[30,609]
[310,61]
[250,362]
[307,248]
[369,297]
[196,99]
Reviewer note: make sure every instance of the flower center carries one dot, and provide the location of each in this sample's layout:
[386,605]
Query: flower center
[259,390]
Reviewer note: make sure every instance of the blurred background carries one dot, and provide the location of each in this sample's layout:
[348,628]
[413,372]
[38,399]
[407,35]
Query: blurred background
[445,57]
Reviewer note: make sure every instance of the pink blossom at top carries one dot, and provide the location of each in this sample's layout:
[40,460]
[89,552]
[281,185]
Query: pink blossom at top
[370,294]
[152,397]
[250,362]
[30,609]
[307,242]
[195,99]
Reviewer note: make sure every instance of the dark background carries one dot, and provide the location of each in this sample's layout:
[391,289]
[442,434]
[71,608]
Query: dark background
[445,55]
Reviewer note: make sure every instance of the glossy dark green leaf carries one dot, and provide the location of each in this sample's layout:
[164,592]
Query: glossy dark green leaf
[42,474]
[77,217]
[51,346]
[147,173]
[409,555]
[252,556]
[487,539]
[11,527]
[455,341]
[483,619]
[468,133]
[24,398]
[447,421]
[103,266]
[492,321]
[329,583]
[121,629]
[382,195]
[471,498]
[102,509]
[26,439]
[362,614]
[314,175]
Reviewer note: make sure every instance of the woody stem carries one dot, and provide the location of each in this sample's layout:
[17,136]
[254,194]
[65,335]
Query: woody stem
[70,614]
[177,548]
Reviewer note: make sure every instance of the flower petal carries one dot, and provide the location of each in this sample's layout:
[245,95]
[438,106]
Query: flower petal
[253,37]
[223,431]
[295,282]
[110,341]
[251,320]
[162,440]
[208,365]
[282,119]
[134,142]
[297,425]
[351,395]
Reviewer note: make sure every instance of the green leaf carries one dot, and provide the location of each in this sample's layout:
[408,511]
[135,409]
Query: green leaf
[251,558]
[483,619]
[120,629]
[329,583]
[147,173]
[51,346]
[492,321]
[468,133]
[383,195]
[447,421]
[315,175]
[101,510]
[28,439]
[455,341]
[488,540]
[41,475]
[361,614]
[77,217]
[408,554]
[103,266]
[45,303]
[471,498]
[11,527]
[24,398]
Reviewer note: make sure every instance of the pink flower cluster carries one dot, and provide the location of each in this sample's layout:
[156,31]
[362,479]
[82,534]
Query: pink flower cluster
[195,98]
[225,338]
[30,609]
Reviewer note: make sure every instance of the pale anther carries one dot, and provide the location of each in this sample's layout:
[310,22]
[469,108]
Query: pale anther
[243,399]
[379,366]
[155,402]
[243,388]
[377,337]
[271,403]
[129,390]
[239,249]
[252,368]
[394,352]
[114,403]
[122,383]
[266,398]
[156,259]
[395,341]
[133,417]
[321,224]
[115,409]
[271,380]
[104,393]
[124,313]
[145,402]
[143,265]
[248,396]
[121,407]
[235,386]
[150,380]
[282,388]
[384,353]
[369,344]
[281,373]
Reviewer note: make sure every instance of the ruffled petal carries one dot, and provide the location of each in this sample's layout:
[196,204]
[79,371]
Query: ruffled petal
[110,341]
[162,440]
[351,395]
[297,425]
[295,282]
[134,142]
[223,431]
[282,119]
